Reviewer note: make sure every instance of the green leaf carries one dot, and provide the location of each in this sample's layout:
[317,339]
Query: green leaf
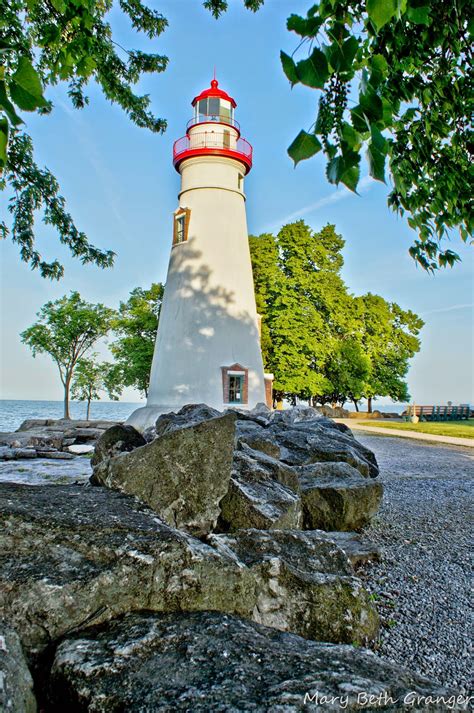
[313,71]
[379,69]
[5,46]
[3,141]
[304,27]
[376,163]
[344,169]
[7,106]
[371,104]
[59,5]
[419,15]
[341,56]
[350,136]
[289,68]
[359,120]
[381,11]
[25,89]
[304,146]
[350,178]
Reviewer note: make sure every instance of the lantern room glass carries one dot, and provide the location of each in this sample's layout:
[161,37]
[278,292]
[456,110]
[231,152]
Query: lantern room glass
[214,109]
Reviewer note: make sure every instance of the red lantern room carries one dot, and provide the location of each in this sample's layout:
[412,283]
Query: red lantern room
[213,131]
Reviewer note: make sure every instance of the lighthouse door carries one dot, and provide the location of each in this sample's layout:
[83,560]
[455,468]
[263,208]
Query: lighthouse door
[226,139]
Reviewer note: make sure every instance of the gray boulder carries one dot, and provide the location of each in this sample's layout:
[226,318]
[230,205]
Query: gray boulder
[254,436]
[358,550]
[208,661]
[16,684]
[189,415]
[264,504]
[305,584]
[117,439]
[73,556]
[318,440]
[182,475]
[259,494]
[335,496]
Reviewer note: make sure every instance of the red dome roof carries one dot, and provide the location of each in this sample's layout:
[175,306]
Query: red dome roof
[214,91]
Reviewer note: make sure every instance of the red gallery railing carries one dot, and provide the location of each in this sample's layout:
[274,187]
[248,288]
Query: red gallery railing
[212,143]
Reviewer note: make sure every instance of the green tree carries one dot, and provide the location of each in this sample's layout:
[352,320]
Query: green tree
[66,330]
[301,296]
[135,326]
[322,343]
[389,336]
[395,80]
[347,372]
[90,379]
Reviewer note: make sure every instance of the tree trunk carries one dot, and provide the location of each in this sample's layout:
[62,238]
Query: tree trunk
[369,404]
[356,404]
[88,409]
[67,384]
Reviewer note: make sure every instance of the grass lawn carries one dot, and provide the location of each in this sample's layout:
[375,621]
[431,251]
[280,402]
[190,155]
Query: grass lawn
[460,429]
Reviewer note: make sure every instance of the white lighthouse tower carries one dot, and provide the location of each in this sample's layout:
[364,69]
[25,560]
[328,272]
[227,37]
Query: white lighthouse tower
[208,344]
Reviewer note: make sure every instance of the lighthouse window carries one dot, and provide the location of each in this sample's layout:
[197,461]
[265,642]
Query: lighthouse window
[181,225]
[236,384]
[213,107]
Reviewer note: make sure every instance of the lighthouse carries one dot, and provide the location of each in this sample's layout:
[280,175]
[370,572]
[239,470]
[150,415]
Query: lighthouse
[208,343]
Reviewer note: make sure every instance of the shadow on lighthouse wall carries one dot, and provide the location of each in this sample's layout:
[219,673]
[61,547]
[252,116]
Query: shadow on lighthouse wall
[203,327]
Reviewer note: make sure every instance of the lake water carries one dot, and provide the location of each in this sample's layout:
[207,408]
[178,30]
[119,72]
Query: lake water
[13,413]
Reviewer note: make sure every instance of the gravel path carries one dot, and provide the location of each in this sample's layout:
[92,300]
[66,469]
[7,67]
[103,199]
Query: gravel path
[422,584]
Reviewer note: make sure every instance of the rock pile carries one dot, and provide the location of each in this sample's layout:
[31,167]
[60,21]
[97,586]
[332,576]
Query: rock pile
[171,588]
[59,439]
[204,472]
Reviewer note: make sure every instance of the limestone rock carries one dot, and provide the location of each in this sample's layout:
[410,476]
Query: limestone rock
[335,496]
[189,415]
[264,504]
[261,494]
[256,437]
[358,550]
[16,684]
[208,661]
[251,465]
[80,450]
[318,440]
[305,584]
[182,475]
[75,555]
[117,439]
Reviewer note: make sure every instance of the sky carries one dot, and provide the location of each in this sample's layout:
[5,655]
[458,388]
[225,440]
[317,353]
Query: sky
[121,188]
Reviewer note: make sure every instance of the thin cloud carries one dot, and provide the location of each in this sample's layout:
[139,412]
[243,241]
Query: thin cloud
[452,308]
[338,195]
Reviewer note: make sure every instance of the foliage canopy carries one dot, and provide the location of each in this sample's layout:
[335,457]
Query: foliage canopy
[319,341]
[135,327]
[41,44]
[91,377]
[395,79]
[66,329]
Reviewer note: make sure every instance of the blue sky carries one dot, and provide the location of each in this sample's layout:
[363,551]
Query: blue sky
[122,189]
